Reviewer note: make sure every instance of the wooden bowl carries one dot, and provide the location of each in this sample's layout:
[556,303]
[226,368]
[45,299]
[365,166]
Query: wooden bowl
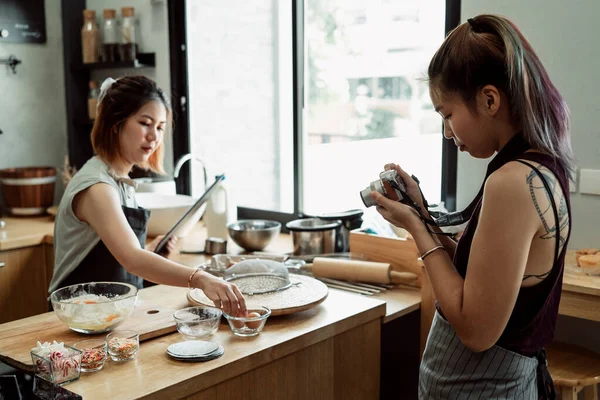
[28,190]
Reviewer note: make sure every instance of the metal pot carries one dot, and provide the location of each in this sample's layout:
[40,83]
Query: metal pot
[350,220]
[313,235]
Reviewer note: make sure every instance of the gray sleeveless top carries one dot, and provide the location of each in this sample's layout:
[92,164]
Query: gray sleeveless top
[73,238]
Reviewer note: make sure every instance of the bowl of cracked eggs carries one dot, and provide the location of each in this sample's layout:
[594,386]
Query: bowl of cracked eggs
[251,324]
[94,307]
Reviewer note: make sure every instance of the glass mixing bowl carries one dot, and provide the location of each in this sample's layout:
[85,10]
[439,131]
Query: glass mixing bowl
[94,307]
[197,322]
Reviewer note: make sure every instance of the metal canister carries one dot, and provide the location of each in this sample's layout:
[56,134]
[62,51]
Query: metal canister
[215,245]
[350,220]
[313,235]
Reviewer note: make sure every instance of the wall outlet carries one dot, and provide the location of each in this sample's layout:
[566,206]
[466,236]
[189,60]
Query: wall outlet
[589,181]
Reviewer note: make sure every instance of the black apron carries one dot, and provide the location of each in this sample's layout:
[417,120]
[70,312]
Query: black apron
[101,266]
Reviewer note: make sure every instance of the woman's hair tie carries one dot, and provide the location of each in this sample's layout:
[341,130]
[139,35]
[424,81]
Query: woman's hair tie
[474,25]
[108,82]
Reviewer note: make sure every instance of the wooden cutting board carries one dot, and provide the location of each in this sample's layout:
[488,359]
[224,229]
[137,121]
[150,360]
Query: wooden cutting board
[152,317]
[305,293]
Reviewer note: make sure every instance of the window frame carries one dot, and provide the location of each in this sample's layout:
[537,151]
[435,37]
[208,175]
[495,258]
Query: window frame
[180,93]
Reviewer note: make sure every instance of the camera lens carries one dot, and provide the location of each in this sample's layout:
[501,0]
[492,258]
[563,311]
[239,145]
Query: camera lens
[365,194]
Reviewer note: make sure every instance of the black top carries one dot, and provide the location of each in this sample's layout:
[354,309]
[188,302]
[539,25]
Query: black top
[533,320]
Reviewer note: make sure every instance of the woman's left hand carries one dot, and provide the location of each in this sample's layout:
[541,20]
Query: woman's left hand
[170,248]
[396,213]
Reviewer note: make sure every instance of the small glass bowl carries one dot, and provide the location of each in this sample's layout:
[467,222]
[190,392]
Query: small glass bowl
[197,322]
[58,370]
[123,345]
[95,353]
[249,326]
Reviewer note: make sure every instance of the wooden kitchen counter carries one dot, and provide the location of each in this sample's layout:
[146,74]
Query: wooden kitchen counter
[25,232]
[581,292]
[576,281]
[331,351]
[400,301]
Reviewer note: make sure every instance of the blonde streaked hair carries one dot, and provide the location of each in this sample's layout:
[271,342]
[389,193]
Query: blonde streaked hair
[118,102]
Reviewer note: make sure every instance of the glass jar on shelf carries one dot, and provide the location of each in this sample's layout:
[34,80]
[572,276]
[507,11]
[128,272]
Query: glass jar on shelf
[129,39]
[93,94]
[110,33]
[90,38]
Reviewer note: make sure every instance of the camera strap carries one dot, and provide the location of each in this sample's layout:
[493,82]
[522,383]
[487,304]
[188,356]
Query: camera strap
[510,152]
[407,200]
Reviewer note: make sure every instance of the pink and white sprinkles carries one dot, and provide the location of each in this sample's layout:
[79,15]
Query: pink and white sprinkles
[56,360]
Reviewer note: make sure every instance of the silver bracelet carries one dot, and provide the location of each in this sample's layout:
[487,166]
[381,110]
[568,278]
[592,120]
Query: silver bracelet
[428,252]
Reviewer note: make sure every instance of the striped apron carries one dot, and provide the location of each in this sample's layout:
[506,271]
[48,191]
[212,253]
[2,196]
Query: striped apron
[449,370]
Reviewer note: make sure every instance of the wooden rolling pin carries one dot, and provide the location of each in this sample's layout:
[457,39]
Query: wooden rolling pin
[359,271]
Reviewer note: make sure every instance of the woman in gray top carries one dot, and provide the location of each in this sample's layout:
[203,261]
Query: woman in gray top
[100,231]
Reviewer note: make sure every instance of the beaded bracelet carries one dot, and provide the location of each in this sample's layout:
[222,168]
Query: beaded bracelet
[192,276]
[428,252]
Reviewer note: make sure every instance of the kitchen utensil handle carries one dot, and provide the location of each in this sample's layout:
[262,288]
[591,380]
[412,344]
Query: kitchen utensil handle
[348,285]
[378,288]
[402,277]
[333,286]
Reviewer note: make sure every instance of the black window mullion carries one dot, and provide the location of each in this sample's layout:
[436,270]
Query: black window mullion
[449,153]
[179,90]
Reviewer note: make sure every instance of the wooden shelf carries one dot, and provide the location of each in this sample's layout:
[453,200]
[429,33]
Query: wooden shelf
[144,60]
[77,78]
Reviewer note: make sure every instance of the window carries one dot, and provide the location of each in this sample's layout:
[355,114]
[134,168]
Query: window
[301,102]
[240,73]
[365,103]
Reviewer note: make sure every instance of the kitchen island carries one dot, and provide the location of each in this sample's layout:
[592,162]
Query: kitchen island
[331,351]
[350,346]
[396,344]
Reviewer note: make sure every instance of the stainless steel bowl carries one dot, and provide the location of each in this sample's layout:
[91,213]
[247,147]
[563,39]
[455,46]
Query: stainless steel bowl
[253,234]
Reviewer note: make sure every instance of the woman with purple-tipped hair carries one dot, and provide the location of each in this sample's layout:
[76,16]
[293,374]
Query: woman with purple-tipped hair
[499,287]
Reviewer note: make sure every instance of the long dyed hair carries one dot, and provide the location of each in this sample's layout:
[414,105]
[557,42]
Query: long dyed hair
[490,50]
[122,100]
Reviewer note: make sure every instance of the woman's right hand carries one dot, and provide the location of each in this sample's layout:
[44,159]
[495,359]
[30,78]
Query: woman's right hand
[225,295]
[412,189]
